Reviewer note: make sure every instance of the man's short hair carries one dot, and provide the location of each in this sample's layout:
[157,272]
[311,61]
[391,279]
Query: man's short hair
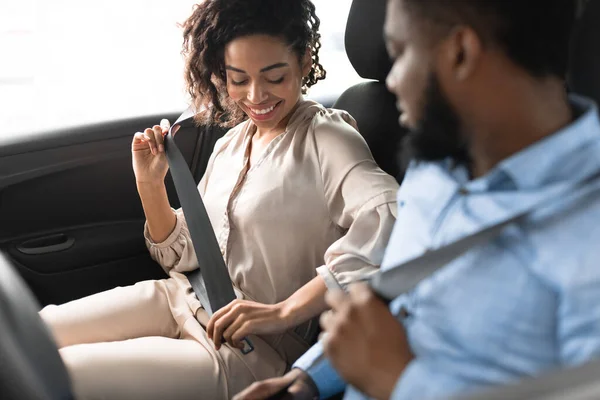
[534,34]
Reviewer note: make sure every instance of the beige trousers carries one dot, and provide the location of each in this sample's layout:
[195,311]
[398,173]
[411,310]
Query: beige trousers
[144,342]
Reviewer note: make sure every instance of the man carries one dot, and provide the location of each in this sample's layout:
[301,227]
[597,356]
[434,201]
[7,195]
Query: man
[493,133]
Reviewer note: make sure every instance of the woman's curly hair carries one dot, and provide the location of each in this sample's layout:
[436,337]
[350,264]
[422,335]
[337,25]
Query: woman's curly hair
[215,23]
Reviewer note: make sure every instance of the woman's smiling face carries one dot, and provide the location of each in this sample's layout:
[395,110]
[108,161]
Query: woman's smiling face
[264,78]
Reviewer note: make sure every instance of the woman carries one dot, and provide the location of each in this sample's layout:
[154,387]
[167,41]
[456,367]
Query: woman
[293,195]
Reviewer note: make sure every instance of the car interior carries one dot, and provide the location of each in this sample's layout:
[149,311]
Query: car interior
[71,221]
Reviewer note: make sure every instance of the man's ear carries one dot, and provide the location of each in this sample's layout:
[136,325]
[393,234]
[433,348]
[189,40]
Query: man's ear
[461,53]
[307,62]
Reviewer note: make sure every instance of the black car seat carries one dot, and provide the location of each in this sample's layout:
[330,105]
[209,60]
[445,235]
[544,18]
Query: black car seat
[584,68]
[370,103]
[30,365]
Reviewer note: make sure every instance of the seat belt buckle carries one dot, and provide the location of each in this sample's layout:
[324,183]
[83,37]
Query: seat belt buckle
[248,347]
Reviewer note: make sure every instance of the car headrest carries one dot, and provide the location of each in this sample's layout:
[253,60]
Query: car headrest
[374,109]
[364,39]
[584,68]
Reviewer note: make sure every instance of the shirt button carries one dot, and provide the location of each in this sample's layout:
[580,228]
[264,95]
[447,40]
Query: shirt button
[463,191]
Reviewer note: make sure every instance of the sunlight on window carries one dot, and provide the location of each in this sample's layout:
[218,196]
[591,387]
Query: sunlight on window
[74,62]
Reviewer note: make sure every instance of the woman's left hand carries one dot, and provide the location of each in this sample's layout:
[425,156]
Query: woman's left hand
[241,318]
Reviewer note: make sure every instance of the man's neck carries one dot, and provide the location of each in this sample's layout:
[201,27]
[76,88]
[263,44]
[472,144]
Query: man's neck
[530,115]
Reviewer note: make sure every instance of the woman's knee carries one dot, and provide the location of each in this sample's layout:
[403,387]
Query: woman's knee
[145,368]
[49,316]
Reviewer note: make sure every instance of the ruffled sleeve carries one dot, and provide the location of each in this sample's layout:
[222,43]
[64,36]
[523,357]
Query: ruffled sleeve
[176,251]
[361,199]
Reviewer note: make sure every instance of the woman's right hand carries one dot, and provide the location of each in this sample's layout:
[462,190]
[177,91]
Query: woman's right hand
[148,154]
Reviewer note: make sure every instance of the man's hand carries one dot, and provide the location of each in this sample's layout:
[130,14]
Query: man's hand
[365,343]
[299,387]
[241,318]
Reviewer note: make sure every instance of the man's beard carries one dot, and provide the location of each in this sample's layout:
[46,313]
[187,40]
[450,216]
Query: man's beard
[437,135]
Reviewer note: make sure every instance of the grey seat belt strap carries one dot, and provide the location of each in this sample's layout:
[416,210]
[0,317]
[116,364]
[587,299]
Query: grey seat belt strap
[398,280]
[573,383]
[211,282]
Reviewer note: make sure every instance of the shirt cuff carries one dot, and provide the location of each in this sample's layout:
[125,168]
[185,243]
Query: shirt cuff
[326,379]
[330,280]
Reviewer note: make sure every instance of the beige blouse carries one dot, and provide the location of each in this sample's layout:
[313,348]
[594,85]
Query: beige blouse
[314,202]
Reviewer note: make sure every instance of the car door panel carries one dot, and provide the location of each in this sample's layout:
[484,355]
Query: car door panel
[70,216]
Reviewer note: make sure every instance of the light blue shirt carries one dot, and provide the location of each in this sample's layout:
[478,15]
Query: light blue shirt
[527,302]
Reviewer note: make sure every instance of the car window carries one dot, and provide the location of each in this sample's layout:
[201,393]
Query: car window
[71,62]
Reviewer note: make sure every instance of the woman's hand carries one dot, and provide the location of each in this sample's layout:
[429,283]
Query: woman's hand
[148,154]
[241,318]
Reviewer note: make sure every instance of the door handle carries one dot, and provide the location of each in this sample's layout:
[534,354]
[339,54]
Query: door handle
[46,244]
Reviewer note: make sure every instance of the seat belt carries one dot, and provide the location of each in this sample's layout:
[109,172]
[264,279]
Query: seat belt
[219,290]
[211,282]
[575,383]
[401,279]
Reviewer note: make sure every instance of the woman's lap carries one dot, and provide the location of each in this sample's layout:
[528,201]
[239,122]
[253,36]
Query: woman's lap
[144,368]
[121,313]
[125,343]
